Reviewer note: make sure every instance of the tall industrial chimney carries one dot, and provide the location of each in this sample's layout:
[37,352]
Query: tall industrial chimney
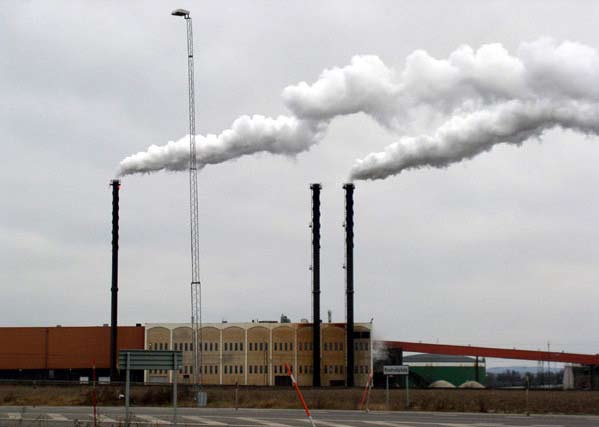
[315,284]
[349,280]
[116,185]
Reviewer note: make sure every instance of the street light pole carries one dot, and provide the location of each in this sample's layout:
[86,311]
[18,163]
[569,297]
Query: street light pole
[196,289]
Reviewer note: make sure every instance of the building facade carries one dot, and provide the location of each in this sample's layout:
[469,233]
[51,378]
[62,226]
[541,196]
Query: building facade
[255,353]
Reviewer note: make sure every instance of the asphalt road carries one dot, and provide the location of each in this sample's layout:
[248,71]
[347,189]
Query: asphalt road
[144,416]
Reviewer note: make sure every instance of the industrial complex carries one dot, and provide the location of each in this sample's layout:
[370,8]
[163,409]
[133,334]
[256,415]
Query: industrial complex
[231,353]
[256,353]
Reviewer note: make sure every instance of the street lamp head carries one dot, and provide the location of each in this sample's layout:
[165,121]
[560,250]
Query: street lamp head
[180,12]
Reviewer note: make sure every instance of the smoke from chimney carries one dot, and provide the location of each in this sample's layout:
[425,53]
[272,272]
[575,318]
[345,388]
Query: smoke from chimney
[444,110]
[248,135]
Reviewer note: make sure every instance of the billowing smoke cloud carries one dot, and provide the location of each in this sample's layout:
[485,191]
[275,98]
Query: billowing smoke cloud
[456,107]
[247,135]
[489,97]
[465,136]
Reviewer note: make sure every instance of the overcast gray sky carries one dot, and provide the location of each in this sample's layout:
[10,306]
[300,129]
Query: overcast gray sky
[500,250]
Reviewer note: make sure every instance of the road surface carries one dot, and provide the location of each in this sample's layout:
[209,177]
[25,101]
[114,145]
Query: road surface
[146,416]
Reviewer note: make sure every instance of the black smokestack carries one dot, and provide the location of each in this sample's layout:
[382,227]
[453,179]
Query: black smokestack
[349,280]
[116,185]
[316,284]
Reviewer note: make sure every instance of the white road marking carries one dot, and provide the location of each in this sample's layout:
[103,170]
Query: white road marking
[514,425]
[262,422]
[105,419]
[329,424]
[205,421]
[151,419]
[14,415]
[409,424]
[395,423]
[58,417]
[388,424]
[464,425]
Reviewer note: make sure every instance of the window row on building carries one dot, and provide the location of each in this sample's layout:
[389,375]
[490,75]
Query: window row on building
[330,346]
[210,369]
[361,346]
[333,369]
[361,369]
[303,369]
[262,346]
[186,370]
[183,346]
[338,346]
[262,369]
[209,346]
[233,346]
[258,346]
[279,346]
[305,346]
[158,346]
[283,346]
[258,369]
[233,369]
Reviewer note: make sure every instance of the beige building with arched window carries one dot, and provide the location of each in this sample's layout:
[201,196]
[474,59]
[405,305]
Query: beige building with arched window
[256,353]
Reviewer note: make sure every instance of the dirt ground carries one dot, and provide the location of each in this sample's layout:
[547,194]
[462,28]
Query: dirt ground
[501,401]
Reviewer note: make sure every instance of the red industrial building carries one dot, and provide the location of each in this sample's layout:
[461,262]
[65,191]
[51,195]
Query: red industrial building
[61,353]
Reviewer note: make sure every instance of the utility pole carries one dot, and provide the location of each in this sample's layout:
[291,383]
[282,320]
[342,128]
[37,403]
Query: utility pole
[196,288]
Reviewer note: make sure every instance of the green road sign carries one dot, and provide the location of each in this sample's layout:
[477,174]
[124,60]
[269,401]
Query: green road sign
[150,359]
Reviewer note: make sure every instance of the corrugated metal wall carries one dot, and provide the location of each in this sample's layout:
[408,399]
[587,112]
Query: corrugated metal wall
[63,347]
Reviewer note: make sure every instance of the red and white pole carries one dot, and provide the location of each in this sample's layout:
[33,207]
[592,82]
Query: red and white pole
[366,391]
[299,393]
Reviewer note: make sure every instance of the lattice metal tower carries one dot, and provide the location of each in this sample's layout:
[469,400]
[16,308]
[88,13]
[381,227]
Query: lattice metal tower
[196,287]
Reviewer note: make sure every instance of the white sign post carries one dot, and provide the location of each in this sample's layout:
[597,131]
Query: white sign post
[389,370]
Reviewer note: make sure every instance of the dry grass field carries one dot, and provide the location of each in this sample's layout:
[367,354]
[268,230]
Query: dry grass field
[500,401]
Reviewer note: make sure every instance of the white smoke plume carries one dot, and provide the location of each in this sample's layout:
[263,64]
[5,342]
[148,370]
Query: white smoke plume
[465,136]
[466,104]
[247,135]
